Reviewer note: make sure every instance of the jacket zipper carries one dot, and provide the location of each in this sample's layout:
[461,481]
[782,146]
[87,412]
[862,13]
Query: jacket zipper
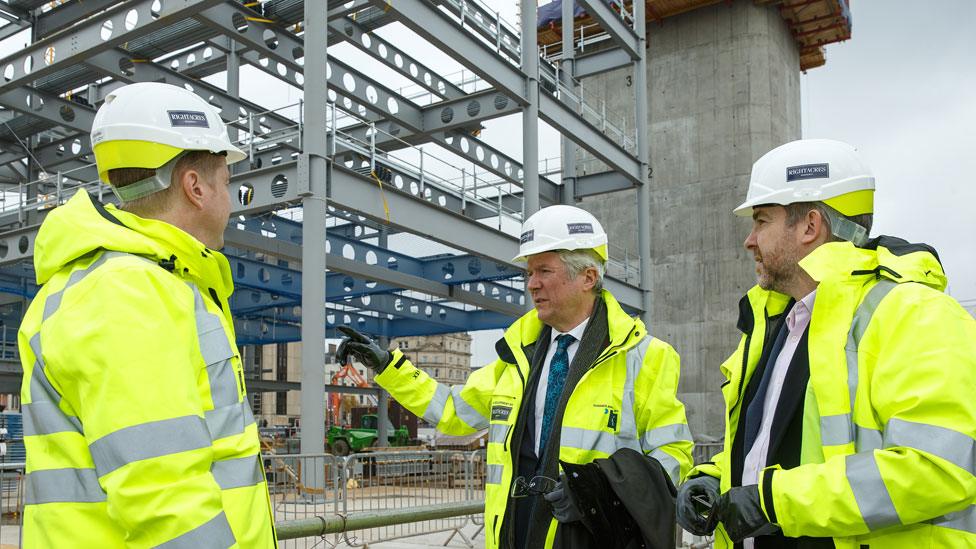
[613,350]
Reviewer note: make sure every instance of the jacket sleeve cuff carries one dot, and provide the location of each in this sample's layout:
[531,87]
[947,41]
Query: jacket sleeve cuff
[766,493]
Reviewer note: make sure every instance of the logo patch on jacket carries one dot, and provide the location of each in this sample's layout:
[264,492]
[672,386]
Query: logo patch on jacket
[579,228]
[501,412]
[807,171]
[612,420]
[194,119]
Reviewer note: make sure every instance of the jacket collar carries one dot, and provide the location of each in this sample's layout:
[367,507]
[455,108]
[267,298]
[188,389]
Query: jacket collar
[625,331]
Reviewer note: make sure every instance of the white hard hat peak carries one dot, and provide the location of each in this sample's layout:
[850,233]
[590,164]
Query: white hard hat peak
[811,170]
[561,227]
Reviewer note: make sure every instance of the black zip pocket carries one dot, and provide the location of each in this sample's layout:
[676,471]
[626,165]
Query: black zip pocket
[494,530]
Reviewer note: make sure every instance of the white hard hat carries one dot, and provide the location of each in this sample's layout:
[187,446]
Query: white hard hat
[148,124]
[812,170]
[561,228]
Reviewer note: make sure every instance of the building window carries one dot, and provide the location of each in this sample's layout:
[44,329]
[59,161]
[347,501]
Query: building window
[404,344]
[437,373]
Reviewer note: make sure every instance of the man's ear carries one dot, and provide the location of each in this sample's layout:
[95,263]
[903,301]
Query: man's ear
[814,227]
[193,187]
[589,278]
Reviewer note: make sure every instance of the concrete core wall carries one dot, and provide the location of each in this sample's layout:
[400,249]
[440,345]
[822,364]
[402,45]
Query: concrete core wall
[724,90]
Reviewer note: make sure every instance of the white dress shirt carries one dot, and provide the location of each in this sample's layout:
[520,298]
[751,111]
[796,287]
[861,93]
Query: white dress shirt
[796,322]
[540,392]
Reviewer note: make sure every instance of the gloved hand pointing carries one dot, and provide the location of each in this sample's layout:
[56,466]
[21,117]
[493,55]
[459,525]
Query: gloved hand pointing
[696,501]
[363,348]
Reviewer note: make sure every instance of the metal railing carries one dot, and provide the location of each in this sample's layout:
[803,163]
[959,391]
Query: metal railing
[355,500]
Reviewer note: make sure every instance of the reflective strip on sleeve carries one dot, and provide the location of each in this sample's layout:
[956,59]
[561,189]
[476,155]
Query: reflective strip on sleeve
[62,486]
[836,429]
[45,417]
[964,520]
[494,473]
[148,440]
[238,473]
[498,433]
[870,492]
[588,439]
[465,412]
[228,420]
[655,438]
[670,465]
[867,439]
[214,533]
[435,409]
[840,429]
[952,446]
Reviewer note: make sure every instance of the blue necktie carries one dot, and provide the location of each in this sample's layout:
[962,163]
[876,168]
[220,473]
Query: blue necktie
[554,390]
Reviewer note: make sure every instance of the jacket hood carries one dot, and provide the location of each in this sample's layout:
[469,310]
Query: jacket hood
[884,256]
[83,226]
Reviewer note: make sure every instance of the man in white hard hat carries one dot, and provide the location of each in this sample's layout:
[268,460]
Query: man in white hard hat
[136,422]
[850,411]
[576,380]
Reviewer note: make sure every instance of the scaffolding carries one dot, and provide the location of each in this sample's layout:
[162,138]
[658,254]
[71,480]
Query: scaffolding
[335,181]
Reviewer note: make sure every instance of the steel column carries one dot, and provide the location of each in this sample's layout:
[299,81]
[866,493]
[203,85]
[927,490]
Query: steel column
[314,185]
[644,156]
[567,70]
[530,111]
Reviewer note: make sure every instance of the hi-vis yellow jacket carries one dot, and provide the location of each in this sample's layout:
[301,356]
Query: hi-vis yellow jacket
[137,429]
[888,449]
[636,376]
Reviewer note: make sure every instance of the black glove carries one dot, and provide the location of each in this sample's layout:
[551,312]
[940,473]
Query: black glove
[564,506]
[741,513]
[693,515]
[363,348]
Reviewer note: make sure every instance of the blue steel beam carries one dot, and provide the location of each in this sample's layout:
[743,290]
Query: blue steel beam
[447,269]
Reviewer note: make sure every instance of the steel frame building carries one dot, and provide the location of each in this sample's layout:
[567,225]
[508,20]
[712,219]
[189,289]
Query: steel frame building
[346,160]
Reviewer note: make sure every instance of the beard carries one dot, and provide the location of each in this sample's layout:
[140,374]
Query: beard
[778,267]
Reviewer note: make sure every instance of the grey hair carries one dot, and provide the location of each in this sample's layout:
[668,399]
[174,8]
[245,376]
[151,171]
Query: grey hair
[797,210]
[577,261]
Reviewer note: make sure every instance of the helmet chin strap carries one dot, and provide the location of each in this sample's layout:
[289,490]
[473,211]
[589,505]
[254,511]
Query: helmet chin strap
[159,181]
[845,229]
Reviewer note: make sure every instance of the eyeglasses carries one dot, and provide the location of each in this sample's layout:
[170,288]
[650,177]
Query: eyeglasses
[536,486]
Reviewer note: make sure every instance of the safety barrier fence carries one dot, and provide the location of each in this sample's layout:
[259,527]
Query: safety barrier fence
[351,501]
[322,500]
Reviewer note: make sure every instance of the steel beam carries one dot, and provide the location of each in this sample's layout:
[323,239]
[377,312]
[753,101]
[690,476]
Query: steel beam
[46,106]
[602,183]
[395,58]
[432,24]
[600,62]
[621,34]
[232,109]
[64,15]
[364,274]
[107,31]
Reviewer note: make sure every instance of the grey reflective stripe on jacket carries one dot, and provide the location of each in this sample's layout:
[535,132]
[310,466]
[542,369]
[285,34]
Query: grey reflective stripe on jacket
[230,415]
[464,411]
[839,429]
[215,532]
[43,416]
[627,434]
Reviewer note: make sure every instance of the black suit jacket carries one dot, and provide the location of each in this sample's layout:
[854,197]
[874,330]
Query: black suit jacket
[786,432]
